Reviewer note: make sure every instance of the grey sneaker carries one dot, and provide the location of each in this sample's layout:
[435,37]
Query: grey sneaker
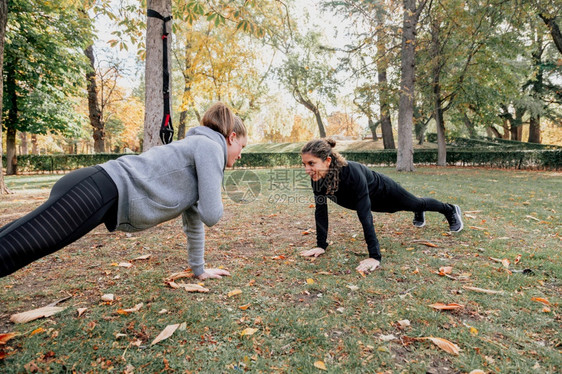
[455,219]
[419,219]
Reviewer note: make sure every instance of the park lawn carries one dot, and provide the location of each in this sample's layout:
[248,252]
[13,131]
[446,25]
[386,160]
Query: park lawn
[304,315]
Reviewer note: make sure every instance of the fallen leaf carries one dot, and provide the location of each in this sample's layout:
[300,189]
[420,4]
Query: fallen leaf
[166,333]
[244,307]
[37,331]
[546,309]
[34,314]
[81,311]
[306,232]
[320,365]
[352,287]
[483,290]
[108,297]
[311,206]
[280,257]
[387,338]
[517,260]
[445,270]
[182,274]
[234,293]
[310,281]
[125,264]
[541,300]
[5,337]
[429,244]
[404,323]
[143,257]
[248,331]
[450,306]
[189,287]
[477,371]
[505,262]
[134,309]
[444,344]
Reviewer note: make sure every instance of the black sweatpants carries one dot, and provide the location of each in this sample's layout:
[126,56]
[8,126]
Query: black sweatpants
[79,201]
[395,198]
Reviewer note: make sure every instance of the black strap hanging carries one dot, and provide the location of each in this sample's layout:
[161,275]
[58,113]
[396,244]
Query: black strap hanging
[166,129]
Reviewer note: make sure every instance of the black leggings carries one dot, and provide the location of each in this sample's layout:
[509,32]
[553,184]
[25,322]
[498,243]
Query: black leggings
[395,198]
[79,201]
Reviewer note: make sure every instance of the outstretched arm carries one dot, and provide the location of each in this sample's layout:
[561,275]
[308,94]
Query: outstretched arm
[193,228]
[321,218]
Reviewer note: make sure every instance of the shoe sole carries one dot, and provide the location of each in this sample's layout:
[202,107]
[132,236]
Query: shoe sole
[422,225]
[459,214]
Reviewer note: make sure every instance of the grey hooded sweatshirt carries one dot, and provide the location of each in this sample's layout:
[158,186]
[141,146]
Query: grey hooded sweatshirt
[183,177]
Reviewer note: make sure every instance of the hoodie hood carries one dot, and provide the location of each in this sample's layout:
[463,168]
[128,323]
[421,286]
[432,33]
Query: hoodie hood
[211,134]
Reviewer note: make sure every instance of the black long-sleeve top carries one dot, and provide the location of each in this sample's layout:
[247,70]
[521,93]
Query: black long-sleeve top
[358,184]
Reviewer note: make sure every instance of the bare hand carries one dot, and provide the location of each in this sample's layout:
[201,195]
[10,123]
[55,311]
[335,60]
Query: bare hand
[368,265]
[313,252]
[213,273]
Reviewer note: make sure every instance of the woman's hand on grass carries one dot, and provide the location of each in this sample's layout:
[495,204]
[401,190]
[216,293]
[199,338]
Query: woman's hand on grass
[213,273]
[368,265]
[313,252]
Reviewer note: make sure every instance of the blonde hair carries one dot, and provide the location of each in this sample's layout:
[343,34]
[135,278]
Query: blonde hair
[323,148]
[220,118]
[239,127]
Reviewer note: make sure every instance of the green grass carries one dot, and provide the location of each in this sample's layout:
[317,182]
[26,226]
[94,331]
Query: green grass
[338,317]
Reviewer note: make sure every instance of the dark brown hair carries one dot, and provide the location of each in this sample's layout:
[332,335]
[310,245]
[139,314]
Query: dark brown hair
[323,148]
[220,118]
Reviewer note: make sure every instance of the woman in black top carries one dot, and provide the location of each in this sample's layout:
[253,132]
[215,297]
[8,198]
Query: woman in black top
[354,186]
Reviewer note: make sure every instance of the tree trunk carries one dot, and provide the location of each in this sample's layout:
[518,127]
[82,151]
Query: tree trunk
[384,99]
[469,126]
[3,19]
[373,127]
[437,102]
[552,26]
[535,129]
[23,144]
[11,158]
[187,100]
[96,120]
[321,127]
[154,103]
[405,154]
[493,132]
[386,124]
[12,120]
[34,149]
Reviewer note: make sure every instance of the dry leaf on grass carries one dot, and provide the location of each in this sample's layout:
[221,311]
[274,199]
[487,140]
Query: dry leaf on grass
[125,264]
[477,371]
[166,333]
[143,257]
[81,311]
[108,297]
[34,314]
[443,270]
[482,290]
[444,344]
[234,293]
[189,287]
[310,281]
[450,306]
[244,307]
[182,274]
[541,300]
[5,337]
[505,262]
[248,331]
[426,243]
[320,365]
[134,309]
[517,259]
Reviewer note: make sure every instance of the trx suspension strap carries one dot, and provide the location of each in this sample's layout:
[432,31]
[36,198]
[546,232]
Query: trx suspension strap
[166,129]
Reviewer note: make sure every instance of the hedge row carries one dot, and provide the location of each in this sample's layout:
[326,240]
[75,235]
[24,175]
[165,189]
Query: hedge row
[62,162]
[489,142]
[519,159]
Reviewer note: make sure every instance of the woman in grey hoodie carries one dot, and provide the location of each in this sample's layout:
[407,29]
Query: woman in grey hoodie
[136,192]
